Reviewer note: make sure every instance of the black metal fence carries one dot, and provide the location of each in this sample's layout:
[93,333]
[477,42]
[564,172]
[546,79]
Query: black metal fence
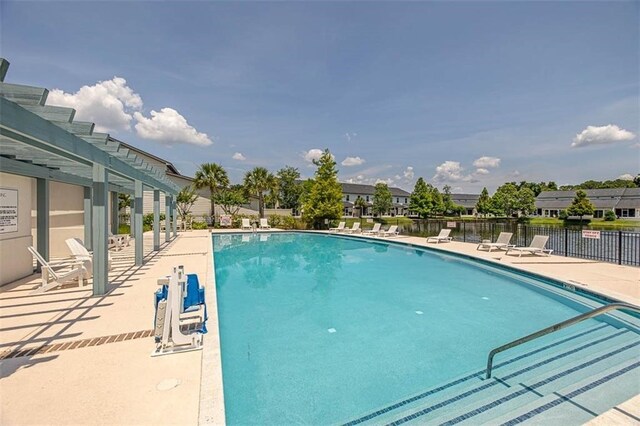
[621,247]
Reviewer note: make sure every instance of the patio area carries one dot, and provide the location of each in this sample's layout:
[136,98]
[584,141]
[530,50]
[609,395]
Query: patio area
[68,357]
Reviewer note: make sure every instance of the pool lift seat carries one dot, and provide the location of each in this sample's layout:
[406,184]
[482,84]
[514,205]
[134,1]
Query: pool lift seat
[172,317]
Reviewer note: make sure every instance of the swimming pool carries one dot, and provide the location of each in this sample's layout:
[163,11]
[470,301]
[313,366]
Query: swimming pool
[319,329]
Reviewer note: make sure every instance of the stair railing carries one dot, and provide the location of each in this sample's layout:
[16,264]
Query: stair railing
[559,326]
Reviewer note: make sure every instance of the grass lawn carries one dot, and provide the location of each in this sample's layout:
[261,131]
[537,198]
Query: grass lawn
[595,223]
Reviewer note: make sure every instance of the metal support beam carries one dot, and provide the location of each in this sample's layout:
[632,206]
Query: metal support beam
[88,227]
[156,220]
[100,228]
[168,215]
[42,218]
[115,220]
[137,218]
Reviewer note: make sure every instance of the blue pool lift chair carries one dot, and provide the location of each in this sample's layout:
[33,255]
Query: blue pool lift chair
[180,305]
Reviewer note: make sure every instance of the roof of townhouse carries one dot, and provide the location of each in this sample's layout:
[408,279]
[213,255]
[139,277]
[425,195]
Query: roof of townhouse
[358,188]
[170,167]
[465,200]
[600,198]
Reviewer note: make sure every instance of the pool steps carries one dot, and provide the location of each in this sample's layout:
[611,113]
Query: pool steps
[567,361]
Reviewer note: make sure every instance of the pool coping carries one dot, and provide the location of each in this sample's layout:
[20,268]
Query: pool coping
[211,399]
[211,408]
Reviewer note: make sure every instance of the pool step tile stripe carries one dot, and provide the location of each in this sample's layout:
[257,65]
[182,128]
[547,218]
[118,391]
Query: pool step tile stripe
[461,384]
[581,401]
[591,350]
[467,392]
[485,405]
[524,393]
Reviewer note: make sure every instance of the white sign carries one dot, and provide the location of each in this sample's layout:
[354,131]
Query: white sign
[225,220]
[595,235]
[8,210]
[452,224]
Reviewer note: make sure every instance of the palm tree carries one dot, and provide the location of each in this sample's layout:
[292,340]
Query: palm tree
[211,176]
[257,182]
[360,204]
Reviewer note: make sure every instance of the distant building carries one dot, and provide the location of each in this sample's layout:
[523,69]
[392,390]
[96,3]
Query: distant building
[468,201]
[351,192]
[625,202]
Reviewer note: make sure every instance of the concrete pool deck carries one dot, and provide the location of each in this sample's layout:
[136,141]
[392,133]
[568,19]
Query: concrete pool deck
[97,367]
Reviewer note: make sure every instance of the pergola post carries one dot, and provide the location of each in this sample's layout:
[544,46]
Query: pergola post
[42,218]
[100,226]
[139,241]
[88,227]
[132,217]
[168,214]
[174,224]
[115,225]
[156,220]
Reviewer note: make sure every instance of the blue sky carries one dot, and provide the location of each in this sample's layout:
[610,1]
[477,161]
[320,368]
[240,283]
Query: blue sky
[468,94]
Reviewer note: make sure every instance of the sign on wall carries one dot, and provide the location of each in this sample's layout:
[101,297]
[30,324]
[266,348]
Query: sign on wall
[586,233]
[8,210]
[225,220]
[452,224]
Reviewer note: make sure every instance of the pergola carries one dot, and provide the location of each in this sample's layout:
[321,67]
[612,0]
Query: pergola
[44,142]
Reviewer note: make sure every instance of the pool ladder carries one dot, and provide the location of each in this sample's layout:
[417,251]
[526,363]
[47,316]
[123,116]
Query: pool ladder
[559,326]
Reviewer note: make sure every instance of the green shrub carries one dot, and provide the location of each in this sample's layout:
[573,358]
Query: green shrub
[200,225]
[147,220]
[610,216]
[563,215]
[124,229]
[282,222]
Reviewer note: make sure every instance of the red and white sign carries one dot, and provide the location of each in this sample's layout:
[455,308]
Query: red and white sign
[587,233]
[452,224]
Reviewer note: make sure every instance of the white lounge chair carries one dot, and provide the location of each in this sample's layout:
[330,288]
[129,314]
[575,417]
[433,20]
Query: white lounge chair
[502,243]
[80,252]
[339,228]
[536,246]
[391,232]
[246,225]
[66,271]
[355,229]
[443,236]
[264,223]
[373,231]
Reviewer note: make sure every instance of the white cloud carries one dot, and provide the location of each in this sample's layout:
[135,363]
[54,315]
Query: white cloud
[486,162]
[451,171]
[109,104]
[352,161]
[238,156]
[349,136]
[312,154]
[626,176]
[482,171]
[169,127]
[601,135]
[388,181]
[408,173]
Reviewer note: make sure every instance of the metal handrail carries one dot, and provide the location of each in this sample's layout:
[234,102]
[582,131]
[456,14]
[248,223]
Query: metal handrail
[556,327]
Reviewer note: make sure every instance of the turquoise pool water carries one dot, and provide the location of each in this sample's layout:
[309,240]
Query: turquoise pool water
[318,329]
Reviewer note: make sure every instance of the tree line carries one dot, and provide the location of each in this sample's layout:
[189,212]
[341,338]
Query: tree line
[319,199]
